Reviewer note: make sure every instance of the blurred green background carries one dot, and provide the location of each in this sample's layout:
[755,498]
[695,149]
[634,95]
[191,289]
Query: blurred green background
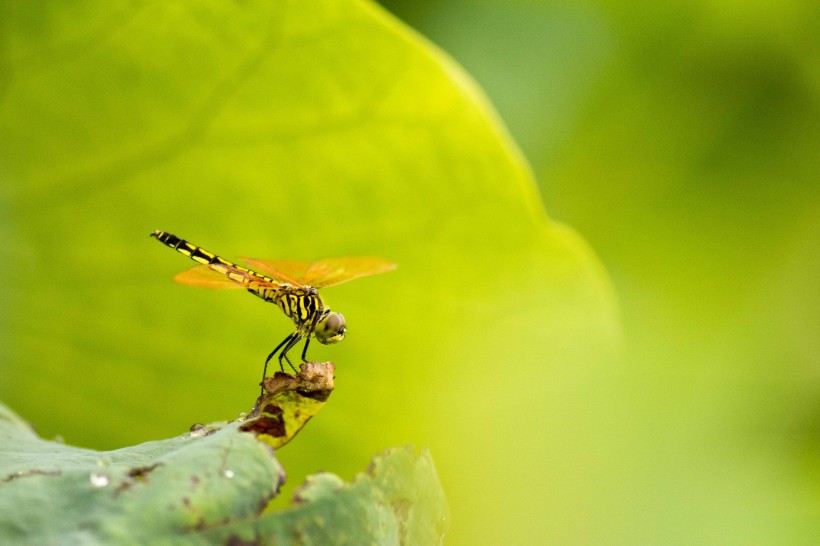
[680,140]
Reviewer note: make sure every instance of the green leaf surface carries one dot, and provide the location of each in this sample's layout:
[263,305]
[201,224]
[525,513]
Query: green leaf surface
[203,488]
[398,501]
[294,130]
[51,492]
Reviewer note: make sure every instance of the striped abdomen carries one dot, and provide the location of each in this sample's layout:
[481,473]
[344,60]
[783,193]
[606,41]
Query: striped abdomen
[300,304]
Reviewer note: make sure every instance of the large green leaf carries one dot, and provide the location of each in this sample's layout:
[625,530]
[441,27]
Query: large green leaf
[290,130]
[206,487]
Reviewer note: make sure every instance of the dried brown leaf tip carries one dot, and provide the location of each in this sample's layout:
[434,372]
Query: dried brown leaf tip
[289,402]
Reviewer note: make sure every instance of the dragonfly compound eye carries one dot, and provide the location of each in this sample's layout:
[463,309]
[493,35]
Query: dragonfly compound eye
[331,329]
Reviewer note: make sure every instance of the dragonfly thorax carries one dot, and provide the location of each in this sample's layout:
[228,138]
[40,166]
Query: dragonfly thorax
[302,305]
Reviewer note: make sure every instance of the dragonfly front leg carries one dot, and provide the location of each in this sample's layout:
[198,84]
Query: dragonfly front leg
[304,351]
[273,352]
[288,344]
[294,339]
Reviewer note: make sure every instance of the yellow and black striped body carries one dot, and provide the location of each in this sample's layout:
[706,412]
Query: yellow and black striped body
[301,304]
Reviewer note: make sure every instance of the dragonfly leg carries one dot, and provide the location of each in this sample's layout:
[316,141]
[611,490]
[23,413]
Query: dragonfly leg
[304,351]
[273,352]
[294,339]
[288,344]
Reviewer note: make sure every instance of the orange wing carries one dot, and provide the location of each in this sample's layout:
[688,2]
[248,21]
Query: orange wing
[287,271]
[332,271]
[205,277]
[323,273]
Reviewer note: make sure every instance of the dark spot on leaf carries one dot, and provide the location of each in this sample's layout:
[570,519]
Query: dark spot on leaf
[265,501]
[234,540]
[33,472]
[135,475]
[124,484]
[319,396]
[141,473]
[271,422]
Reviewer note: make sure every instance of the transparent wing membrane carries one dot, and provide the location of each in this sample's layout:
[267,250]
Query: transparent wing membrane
[205,277]
[318,274]
[287,271]
[332,271]
[321,273]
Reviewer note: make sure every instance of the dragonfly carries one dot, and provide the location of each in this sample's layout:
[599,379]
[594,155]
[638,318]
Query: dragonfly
[291,285]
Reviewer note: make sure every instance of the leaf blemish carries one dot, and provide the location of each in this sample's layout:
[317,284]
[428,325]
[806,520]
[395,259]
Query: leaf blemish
[141,473]
[27,473]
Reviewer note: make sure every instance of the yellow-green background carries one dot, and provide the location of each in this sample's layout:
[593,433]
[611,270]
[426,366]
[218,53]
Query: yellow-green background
[656,384]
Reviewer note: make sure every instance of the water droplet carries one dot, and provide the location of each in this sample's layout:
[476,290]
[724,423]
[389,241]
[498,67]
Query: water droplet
[242,416]
[99,480]
[228,474]
[198,429]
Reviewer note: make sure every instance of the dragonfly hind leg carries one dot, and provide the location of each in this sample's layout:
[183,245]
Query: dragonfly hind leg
[294,339]
[286,345]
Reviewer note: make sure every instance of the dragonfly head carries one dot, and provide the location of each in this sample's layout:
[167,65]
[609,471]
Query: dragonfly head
[330,328]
